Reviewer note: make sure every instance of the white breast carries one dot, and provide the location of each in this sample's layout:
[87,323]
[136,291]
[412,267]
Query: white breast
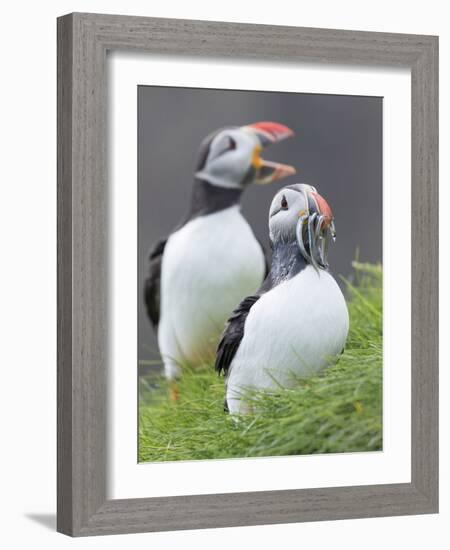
[294,330]
[208,267]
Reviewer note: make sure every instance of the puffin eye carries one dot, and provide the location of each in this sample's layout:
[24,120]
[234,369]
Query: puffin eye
[284,203]
[229,145]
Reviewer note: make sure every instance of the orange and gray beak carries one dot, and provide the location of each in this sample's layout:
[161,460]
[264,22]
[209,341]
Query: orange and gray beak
[315,229]
[267,133]
[322,208]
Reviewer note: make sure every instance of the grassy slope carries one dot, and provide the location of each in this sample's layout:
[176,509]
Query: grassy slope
[338,411]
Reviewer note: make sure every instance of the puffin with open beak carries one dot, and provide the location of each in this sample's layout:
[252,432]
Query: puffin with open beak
[297,323]
[212,260]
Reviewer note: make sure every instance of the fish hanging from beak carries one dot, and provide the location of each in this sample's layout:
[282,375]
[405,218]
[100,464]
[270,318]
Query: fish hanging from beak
[315,229]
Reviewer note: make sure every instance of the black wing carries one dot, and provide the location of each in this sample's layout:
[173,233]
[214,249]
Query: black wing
[233,334]
[152,288]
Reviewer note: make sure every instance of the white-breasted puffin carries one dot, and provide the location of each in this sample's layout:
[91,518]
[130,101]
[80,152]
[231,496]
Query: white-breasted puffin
[212,260]
[297,323]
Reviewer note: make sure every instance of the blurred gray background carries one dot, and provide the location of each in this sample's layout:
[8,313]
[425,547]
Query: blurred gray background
[337,148]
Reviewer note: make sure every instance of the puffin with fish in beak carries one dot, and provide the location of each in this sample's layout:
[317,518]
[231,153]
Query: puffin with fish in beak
[297,323]
[212,260]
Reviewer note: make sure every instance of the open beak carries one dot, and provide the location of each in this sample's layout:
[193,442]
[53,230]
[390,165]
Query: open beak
[268,133]
[315,229]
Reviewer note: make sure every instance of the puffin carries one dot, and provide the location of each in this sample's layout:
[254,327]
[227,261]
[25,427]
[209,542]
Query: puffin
[297,323]
[212,259]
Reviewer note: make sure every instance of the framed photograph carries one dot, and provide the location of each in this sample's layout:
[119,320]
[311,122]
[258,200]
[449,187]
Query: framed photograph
[247,274]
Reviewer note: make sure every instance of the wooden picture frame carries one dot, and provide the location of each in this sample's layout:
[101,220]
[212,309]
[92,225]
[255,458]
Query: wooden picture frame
[83,41]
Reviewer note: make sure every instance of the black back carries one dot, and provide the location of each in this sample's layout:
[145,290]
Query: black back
[152,285]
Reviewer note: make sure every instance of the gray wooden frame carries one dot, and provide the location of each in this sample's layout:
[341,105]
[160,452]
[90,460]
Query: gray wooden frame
[83,41]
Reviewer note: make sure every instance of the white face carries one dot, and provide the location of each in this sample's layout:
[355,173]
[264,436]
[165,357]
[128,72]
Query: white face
[230,157]
[287,207]
[299,214]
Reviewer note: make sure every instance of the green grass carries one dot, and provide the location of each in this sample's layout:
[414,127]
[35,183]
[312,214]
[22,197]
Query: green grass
[337,411]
